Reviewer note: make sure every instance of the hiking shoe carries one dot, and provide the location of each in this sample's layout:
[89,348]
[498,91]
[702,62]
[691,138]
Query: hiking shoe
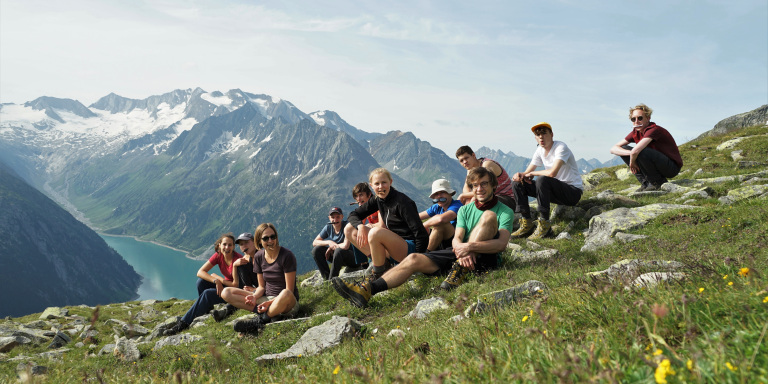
[455,277]
[253,325]
[526,227]
[357,294]
[178,327]
[542,229]
[221,314]
[642,188]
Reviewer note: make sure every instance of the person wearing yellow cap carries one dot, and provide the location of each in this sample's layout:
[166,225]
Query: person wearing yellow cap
[558,182]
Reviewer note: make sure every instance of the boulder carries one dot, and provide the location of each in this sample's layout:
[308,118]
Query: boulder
[38,324]
[54,313]
[743,193]
[134,330]
[730,144]
[519,254]
[603,227]
[628,270]
[564,212]
[756,116]
[145,303]
[37,336]
[503,298]
[396,333]
[107,349]
[698,173]
[736,155]
[626,237]
[319,338]
[652,279]
[315,280]
[126,350]
[30,368]
[179,339]
[624,174]
[424,307]
[9,342]
[61,339]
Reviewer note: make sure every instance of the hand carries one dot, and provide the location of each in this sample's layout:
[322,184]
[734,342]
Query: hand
[461,250]
[239,262]
[248,288]
[517,177]
[362,235]
[328,253]
[250,300]
[219,286]
[466,198]
[468,261]
[633,167]
[528,178]
[263,307]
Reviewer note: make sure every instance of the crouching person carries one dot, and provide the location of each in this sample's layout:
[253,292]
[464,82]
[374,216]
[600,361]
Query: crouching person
[482,232]
[559,182]
[440,218]
[277,295]
[331,245]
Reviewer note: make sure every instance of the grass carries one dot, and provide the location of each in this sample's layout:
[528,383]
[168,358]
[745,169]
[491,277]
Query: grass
[709,327]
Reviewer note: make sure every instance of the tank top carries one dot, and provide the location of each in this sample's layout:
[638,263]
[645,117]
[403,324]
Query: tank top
[505,183]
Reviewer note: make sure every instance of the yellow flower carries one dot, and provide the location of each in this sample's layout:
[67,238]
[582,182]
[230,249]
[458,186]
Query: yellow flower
[744,272]
[531,312]
[336,371]
[525,318]
[725,277]
[765,300]
[701,290]
[689,364]
[731,367]
[730,283]
[544,332]
[648,347]
[662,371]
[657,352]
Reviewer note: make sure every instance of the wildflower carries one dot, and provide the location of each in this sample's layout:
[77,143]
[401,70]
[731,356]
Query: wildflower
[336,371]
[744,272]
[689,364]
[731,367]
[725,277]
[531,312]
[657,352]
[659,310]
[662,371]
[525,318]
[544,332]
[730,283]
[701,290]
[765,300]
[648,347]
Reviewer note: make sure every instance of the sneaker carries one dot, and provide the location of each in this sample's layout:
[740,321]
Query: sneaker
[526,227]
[178,327]
[357,294]
[253,325]
[455,277]
[221,314]
[542,229]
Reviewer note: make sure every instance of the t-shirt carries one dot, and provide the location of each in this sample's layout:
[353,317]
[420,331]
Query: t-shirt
[327,233]
[274,274]
[504,187]
[436,209]
[469,216]
[661,140]
[226,270]
[569,172]
[372,219]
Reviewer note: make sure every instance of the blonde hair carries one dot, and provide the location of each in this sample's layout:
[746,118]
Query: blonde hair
[647,111]
[380,171]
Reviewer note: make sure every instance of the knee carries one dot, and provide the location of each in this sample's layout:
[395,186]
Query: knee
[376,233]
[226,294]
[317,250]
[488,218]
[542,180]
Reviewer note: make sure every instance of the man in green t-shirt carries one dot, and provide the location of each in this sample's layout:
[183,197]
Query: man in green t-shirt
[483,228]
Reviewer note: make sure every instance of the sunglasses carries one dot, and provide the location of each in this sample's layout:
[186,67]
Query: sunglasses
[440,200]
[270,237]
[638,118]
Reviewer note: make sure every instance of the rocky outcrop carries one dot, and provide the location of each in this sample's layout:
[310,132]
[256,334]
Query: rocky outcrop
[499,299]
[319,338]
[757,116]
[427,306]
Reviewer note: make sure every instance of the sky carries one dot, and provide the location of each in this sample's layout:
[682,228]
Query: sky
[452,72]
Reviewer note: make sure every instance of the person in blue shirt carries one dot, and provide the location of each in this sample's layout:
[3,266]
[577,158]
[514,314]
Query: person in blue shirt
[331,245]
[440,218]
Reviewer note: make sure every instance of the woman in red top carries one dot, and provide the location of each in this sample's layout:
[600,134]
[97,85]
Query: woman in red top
[210,285]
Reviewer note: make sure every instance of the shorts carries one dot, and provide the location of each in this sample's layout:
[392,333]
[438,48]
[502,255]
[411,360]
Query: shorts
[445,258]
[290,314]
[411,249]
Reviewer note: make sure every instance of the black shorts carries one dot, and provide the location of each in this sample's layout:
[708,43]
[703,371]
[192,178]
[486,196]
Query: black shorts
[445,258]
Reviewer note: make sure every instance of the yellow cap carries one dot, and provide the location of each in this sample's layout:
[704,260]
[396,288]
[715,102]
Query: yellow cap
[542,124]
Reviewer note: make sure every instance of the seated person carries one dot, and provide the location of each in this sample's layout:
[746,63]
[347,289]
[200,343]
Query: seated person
[331,245]
[361,193]
[559,182]
[482,233]
[469,160]
[441,217]
[242,271]
[655,156]
[277,294]
[210,285]
[402,232]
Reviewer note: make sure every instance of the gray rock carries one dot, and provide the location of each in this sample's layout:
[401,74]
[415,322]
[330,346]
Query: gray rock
[603,227]
[736,155]
[30,368]
[564,212]
[624,174]
[652,279]
[315,280]
[532,245]
[179,339]
[521,255]
[457,318]
[159,329]
[107,349]
[38,324]
[719,180]
[319,338]
[200,321]
[628,270]
[37,336]
[591,180]
[61,339]
[703,193]
[126,350]
[149,302]
[9,342]
[503,298]
[594,211]
[659,192]
[147,313]
[756,116]
[627,238]
[134,330]
[54,313]
[55,354]
[674,188]
[730,144]
[743,193]
[564,236]
[425,307]
[756,180]
[396,333]
[89,331]
[699,172]
[748,164]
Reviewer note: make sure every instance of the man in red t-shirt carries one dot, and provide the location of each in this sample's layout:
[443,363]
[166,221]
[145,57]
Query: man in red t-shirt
[655,156]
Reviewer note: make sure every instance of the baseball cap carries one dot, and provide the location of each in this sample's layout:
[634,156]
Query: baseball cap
[245,236]
[335,210]
[542,124]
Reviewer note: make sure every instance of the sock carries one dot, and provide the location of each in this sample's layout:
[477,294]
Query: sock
[379,269]
[265,319]
[378,285]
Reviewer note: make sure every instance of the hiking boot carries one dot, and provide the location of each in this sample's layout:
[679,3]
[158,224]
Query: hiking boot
[542,229]
[221,314]
[375,276]
[455,277]
[178,327]
[526,227]
[642,188]
[357,293]
[254,325]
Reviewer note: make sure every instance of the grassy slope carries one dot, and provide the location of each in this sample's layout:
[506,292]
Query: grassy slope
[711,327]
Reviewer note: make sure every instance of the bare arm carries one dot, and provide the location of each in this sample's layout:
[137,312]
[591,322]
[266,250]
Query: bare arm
[203,273]
[491,166]
[446,217]
[466,194]
[618,150]
[525,175]
[552,172]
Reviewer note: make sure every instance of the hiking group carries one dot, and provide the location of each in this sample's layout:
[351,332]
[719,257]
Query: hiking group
[392,240]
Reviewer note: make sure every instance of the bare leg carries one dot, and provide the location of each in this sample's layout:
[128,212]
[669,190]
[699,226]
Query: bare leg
[438,234]
[385,243]
[236,297]
[486,228]
[415,262]
[283,303]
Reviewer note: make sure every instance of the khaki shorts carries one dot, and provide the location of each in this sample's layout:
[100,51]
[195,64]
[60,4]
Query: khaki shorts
[290,314]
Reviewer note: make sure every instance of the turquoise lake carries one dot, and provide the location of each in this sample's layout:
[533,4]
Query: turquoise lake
[167,273]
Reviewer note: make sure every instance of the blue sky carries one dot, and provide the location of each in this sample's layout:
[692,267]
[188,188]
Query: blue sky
[454,73]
